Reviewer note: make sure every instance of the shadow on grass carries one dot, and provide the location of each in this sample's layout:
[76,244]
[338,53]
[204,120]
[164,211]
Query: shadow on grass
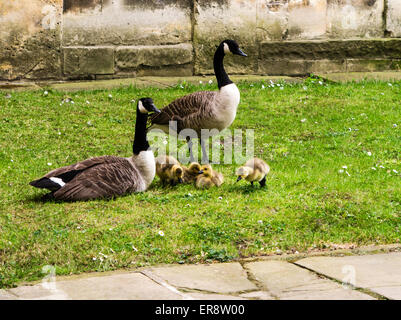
[246,188]
[41,198]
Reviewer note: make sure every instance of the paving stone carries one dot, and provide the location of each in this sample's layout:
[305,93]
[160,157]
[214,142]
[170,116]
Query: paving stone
[4,295]
[367,271]
[287,281]
[132,286]
[389,292]
[260,295]
[221,278]
[210,296]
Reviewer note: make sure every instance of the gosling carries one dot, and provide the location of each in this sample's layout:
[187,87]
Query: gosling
[209,178]
[169,170]
[191,173]
[254,170]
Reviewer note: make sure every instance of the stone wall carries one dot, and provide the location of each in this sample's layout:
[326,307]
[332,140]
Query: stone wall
[89,39]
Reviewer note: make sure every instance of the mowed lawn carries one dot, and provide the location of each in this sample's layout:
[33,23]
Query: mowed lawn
[334,152]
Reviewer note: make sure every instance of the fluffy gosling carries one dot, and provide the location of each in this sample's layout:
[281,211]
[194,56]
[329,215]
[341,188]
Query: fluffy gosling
[169,170]
[209,178]
[191,172]
[254,170]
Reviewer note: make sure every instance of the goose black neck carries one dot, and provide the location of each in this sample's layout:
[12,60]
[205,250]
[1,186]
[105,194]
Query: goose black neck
[140,139]
[221,74]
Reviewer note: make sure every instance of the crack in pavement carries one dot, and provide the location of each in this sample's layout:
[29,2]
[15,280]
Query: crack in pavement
[351,286]
[164,284]
[252,278]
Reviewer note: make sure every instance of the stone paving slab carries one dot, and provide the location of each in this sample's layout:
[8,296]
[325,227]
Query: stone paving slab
[287,281]
[211,296]
[4,295]
[388,292]
[133,286]
[221,278]
[308,278]
[380,273]
[258,295]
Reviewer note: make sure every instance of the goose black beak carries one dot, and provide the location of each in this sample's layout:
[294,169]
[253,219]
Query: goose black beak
[200,172]
[241,53]
[154,109]
[180,180]
[239,178]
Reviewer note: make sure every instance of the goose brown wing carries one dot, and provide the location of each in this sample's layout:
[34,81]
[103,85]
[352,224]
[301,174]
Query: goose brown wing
[183,107]
[67,173]
[105,180]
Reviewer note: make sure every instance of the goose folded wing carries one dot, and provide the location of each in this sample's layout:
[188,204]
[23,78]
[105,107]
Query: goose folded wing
[67,173]
[102,181]
[183,107]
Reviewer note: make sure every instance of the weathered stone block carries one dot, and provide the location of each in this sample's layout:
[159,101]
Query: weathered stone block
[371,65]
[394,17]
[283,67]
[78,6]
[302,57]
[272,20]
[331,66]
[331,49]
[357,18]
[119,23]
[30,39]
[220,20]
[84,61]
[306,19]
[168,60]
[153,56]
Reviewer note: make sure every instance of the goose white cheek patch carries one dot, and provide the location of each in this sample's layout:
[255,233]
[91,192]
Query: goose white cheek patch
[58,181]
[226,48]
[141,107]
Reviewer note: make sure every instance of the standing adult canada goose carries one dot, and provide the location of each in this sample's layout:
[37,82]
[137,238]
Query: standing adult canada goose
[254,170]
[106,176]
[204,109]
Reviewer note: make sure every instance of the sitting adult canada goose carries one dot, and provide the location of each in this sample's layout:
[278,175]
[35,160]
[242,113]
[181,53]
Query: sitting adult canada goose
[204,109]
[169,170]
[209,178]
[191,172]
[106,176]
[254,169]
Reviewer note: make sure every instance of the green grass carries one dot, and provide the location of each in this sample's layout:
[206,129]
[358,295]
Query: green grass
[308,202]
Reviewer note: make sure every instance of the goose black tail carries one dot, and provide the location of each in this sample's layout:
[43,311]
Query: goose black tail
[45,183]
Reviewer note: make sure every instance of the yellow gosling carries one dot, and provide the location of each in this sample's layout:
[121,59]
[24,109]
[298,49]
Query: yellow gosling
[254,170]
[191,172]
[169,170]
